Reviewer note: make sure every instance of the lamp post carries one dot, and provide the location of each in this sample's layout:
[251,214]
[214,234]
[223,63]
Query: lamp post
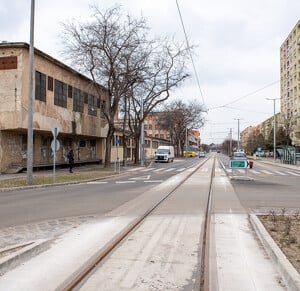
[238,119]
[274,127]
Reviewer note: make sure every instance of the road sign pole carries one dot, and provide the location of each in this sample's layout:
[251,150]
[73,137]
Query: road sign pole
[54,159]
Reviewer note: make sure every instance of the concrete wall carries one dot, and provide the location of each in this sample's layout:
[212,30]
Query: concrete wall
[77,128]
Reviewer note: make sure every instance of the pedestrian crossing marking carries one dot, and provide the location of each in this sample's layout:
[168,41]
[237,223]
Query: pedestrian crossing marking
[267,172]
[280,173]
[292,173]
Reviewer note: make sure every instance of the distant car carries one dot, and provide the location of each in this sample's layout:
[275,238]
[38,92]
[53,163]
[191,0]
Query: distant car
[242,156]
[189,154]
[239,156]
[202,155]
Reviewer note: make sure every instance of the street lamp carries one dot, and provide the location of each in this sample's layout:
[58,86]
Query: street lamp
[238,119]
[274,127]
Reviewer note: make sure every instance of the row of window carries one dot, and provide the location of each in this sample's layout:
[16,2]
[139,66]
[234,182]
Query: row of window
[62,92]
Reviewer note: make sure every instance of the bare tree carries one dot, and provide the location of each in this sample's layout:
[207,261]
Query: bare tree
[109,50]
[165,70]
[179,118]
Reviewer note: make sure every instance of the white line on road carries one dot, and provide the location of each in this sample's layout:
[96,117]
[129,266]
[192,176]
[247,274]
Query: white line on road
[292,173]
[159,170]
[169,170]
[125,182]
[97,182]
[267,172]
[280,173]
[180,170]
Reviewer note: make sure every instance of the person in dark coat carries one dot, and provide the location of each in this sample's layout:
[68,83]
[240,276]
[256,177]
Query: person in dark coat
[71,160]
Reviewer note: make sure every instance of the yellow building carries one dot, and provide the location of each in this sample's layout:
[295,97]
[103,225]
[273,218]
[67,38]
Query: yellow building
[63,98]
[290,82]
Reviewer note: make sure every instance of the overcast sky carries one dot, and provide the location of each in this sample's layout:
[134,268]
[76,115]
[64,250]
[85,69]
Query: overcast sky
[237,57]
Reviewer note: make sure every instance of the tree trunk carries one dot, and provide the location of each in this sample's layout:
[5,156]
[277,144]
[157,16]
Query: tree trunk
[109,137]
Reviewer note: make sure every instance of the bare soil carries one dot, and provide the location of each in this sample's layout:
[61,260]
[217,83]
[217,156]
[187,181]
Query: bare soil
[285,231]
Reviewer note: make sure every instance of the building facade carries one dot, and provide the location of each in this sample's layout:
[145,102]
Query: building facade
[62,98]
[290,82]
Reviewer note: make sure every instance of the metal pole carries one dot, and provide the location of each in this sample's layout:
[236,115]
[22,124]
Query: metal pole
[54,156]
[30,100]
[142,133]
[230,149]
[238,145]
[274,131]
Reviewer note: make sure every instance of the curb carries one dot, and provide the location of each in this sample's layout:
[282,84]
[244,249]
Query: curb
[23,252]
[285,268]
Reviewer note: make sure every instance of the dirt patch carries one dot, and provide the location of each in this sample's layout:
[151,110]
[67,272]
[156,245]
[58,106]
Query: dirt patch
[285,231]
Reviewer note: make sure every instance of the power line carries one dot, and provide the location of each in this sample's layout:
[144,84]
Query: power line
[247,95]
[190,53]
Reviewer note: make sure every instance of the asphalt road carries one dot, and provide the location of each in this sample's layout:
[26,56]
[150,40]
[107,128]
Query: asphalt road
[90,198]
[270,187]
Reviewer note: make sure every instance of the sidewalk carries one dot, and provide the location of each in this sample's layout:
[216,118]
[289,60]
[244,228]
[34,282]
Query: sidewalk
[277,162]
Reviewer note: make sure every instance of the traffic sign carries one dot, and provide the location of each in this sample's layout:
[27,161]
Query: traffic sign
[55,145]
[55,131]
[238,164]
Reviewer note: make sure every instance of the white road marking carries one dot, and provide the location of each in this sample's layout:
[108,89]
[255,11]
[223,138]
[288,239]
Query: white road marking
[141,178]
[125,182]
[97,182]
[159,170]
[267,172]
[169,170]
[292,173]
[180,170]
[254,172]
[148,169]
[280,173]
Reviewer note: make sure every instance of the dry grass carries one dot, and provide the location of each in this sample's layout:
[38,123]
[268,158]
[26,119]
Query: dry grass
[285,231]
[60,178]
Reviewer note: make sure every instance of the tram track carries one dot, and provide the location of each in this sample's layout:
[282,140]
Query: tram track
[81,276]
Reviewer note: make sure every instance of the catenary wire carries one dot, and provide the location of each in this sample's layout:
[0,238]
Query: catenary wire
[190,53]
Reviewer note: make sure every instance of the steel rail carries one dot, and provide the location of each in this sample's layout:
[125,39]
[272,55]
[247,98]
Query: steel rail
[82,274]
[204,264]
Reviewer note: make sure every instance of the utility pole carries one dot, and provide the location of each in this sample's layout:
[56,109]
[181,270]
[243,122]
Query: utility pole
[274,127]
[238,119]
[230,147]
[30,100]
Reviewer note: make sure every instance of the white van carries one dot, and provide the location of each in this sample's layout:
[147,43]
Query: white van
[164,154]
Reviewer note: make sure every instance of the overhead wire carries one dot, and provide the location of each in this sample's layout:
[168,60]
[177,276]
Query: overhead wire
[190,53]
[247,95]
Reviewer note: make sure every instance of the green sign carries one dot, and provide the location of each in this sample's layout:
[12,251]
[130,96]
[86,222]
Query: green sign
[238,164]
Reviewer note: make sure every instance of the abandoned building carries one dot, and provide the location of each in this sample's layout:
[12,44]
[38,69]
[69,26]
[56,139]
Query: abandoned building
[63,99]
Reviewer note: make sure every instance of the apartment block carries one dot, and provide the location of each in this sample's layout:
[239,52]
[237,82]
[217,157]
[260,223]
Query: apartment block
[290,83]
[63,98]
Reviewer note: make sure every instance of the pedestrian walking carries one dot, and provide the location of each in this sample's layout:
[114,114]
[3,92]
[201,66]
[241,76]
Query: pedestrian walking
[71,160]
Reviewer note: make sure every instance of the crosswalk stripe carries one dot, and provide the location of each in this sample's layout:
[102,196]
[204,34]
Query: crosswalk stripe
[267,172]
[292,173]
[147,169]
[159,170]
[280,173]
[169,170]
[255,172]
